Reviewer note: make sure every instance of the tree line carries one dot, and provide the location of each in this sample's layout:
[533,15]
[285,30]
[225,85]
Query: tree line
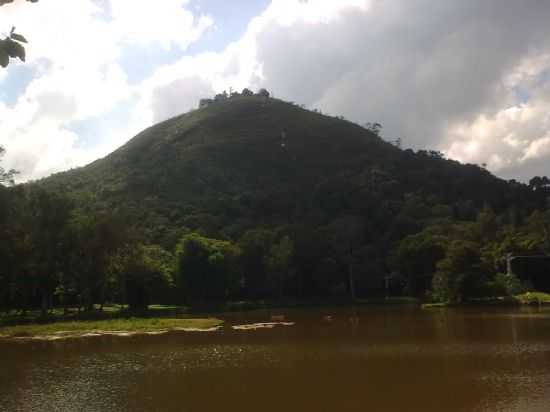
[54,254]
[220,97]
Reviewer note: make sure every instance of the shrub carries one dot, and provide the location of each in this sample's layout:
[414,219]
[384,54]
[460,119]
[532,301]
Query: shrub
[506,284]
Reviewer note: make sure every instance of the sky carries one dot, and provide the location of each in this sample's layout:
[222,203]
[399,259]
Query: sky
[470,78]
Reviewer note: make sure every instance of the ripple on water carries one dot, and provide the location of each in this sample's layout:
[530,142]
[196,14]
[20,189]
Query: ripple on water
[388,362]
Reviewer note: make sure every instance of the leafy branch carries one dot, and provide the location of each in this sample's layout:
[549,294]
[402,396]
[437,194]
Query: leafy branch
[12,46]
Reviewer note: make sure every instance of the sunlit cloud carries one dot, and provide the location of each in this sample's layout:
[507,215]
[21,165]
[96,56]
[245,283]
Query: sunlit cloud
[470,79]
[75,46]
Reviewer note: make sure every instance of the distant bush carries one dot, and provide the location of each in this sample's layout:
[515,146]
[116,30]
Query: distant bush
[506,284]
[263,93]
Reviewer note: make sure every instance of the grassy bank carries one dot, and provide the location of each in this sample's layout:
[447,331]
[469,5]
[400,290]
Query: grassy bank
[315,302]
[527,298]
[533,298]
[120,326]
[113,312]
[97,313]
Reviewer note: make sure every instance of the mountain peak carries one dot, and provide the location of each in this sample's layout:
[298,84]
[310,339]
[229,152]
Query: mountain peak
[245,161]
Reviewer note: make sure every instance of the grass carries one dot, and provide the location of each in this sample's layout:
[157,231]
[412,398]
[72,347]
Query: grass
[530,298]
[130,325]
[527,298]
[109,311]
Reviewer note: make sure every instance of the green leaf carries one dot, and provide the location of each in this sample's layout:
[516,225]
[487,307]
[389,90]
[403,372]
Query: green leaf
[18,37]
[4,58]
[15,49]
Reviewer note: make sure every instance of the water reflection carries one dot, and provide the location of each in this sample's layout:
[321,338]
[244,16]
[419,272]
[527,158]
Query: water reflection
[370,358]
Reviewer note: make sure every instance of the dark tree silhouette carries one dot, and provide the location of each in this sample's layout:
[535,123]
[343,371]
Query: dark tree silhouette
[374,127]
[12,46]
[6,176]
[263,93]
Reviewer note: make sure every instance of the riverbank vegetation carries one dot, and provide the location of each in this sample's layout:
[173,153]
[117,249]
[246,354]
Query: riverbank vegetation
[119,326]
[56,258]
[526,298]
[534,298]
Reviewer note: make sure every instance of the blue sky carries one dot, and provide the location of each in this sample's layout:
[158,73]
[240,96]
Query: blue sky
[230,22]
[231,19]
[468,78]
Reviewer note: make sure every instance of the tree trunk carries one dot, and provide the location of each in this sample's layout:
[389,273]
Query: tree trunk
[88,304]
[351,281]
[44,307]
[280,287]
[24,302]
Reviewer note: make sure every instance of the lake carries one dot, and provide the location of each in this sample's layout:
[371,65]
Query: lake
[371,358]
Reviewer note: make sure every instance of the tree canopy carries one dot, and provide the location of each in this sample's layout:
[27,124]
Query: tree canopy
[208,207]
[6,176]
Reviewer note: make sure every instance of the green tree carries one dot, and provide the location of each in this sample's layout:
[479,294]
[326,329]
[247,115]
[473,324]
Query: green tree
[6,176]
[487,225]
[141,274]
[96,238]
[255,246]
[314,267]
[347,239]
[416,258]
[506,284]
[46,216]
[539,183]
[278,264]
[373,127]
[538,231]
[8,242]
[207,269]
[458,274]
[263,93]
[16,248]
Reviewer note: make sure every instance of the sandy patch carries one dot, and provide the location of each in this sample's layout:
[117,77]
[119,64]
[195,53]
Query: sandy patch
[262,325]
[97,333]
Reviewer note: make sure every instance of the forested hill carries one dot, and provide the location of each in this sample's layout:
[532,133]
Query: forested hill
[251,161]
[252,197]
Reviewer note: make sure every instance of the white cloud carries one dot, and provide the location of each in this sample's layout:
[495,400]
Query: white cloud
[510,139]
[167,23]
[470,78]
[75,45]
[241,63]
[67,33]
[538,148]
[178,97]
[291,12]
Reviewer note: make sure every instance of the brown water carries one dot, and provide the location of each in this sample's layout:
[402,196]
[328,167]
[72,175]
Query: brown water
[381,359]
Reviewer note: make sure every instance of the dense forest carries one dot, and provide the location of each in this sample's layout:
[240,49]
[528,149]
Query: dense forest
[248,198]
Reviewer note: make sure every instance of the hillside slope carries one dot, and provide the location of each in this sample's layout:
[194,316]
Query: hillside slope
[251,161]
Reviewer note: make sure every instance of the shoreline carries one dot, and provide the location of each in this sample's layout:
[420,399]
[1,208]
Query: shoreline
[524,299]
[207,321]
[113,327]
